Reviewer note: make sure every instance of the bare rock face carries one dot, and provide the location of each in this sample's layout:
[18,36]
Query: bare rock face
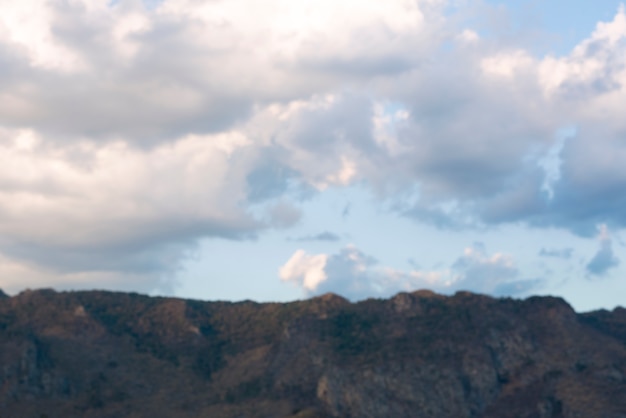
[102,354]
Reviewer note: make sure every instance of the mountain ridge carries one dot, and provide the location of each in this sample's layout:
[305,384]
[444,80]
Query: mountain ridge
[419,354]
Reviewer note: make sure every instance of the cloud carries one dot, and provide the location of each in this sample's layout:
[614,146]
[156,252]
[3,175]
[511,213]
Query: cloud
[348,273]
[199,66]
[268,181]
[128,133]
[322,236]
[496,172]
[305,270]
[284,215]
[587,86]
[115,209]
[496,274]
[604,259]
[356,275]
[478,270]
[563,253]
[18,275]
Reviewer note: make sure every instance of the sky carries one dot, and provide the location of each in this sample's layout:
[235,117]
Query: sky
[278,150]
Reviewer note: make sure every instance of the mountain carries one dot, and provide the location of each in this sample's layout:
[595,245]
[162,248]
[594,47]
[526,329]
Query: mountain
[102,354]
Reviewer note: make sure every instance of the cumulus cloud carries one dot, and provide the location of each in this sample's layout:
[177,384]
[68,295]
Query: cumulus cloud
[349,273]
[103,69]
[496,171]
[90,209]
[305,270]
[128,132]
[588,85]
[356,275]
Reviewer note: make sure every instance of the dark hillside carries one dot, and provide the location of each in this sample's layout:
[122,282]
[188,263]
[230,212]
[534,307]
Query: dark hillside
[102,354]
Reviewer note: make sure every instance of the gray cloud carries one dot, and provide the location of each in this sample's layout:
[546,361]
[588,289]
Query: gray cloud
[563,253]
[493,171]
[322,236]
[284,215]
[603,260]
[267,181]
[588,192]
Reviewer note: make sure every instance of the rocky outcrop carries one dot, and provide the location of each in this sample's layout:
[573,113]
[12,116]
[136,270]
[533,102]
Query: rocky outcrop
[101,354]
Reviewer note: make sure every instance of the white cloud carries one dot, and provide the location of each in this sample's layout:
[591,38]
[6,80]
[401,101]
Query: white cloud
[27,25]
[317,28]
[508,63]
[590,61]
[305,270]
[65,187]
[468,35]
[109,208]
[356,275]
